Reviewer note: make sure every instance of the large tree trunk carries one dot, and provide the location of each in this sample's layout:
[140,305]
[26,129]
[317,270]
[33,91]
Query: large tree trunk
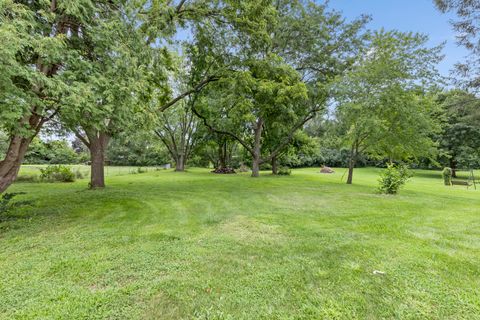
[17,149]
[257,149]
[222,163]
[255,166]
[180,163]
[453,166]
[274,165]
[184,161]
[10,166]
[98,148]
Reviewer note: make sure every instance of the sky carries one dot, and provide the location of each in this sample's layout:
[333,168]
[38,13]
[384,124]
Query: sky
[408,15]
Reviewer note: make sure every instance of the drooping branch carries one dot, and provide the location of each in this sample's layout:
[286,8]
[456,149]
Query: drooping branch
[185,94]
[81,137]
[311,114]
[171,149]
[222,132]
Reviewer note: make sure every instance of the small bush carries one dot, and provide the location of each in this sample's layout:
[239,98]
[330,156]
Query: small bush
[284,171]
[393,178]
[447,176]
[57,173]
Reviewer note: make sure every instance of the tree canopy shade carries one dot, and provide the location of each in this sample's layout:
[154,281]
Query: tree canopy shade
[382,105]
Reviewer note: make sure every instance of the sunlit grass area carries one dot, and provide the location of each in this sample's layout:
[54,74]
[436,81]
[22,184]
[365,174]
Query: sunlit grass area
[167,245]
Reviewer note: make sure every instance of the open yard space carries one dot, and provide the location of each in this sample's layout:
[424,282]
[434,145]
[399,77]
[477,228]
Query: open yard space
[195,245]
[239,159]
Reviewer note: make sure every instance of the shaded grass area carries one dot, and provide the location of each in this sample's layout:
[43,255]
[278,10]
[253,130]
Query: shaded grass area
[194,245]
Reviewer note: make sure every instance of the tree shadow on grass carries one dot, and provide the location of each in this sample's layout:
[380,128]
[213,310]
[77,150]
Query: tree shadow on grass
[13,210]
[437,175]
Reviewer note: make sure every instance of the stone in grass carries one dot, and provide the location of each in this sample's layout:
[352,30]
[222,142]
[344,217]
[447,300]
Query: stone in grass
[326,170]
[377,272]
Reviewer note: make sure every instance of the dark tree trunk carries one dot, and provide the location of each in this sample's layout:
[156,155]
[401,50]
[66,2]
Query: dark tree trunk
[98,148]
[17,149]
[255,166]
[226,161]
[274,165]
[453,166]
[350,171]
[351,164]
[10,166]
[257,148]
[180,163]
[222,163]
[184,162]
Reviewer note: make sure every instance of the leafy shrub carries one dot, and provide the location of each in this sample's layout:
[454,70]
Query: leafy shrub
[447,176]
[284,171]
[58,173]
[393,178]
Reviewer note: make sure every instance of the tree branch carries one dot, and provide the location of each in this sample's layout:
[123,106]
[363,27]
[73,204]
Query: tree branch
[81,137]
[195,89]
[289,137]
[230,134]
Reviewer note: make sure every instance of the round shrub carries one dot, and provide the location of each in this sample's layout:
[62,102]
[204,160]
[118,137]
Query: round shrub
[447,176]
[393,178]
[284,171]
[57,173]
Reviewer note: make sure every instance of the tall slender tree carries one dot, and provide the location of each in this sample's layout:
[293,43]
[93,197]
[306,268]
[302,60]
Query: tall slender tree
[382,106]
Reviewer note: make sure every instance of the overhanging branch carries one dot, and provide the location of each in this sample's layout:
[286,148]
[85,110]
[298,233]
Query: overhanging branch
[227,133]
[195,89]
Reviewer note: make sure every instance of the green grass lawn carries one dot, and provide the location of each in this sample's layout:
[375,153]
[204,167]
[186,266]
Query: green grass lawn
[34,170]
[194,245]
